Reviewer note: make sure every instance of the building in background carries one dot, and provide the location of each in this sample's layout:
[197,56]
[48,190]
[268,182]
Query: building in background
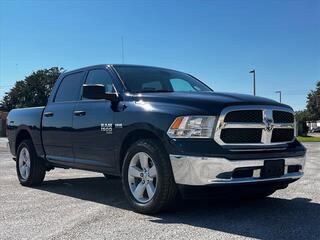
[313,125]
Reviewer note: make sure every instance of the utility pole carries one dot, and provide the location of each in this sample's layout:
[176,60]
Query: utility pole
[280,93]
[254,81]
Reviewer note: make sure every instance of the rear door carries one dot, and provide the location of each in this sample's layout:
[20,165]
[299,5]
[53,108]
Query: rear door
[92,123]
[57,119]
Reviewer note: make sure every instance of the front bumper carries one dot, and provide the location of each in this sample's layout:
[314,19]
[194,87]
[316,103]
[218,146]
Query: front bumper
[199,171]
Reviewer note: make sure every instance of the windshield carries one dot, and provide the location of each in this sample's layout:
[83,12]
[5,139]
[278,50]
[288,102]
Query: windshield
[151,79]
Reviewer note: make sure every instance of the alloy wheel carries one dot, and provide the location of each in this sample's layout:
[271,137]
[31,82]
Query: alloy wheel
[142,177]
[24,163]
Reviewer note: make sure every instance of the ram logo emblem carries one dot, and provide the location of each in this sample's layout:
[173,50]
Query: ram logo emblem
[269,124]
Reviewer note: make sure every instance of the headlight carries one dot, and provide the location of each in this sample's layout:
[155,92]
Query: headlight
[192,127]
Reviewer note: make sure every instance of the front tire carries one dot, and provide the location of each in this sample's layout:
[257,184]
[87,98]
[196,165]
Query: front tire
[30,168]
[147,177]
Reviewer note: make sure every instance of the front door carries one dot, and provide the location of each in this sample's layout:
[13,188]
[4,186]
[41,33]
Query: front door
[57,120]
[92,123]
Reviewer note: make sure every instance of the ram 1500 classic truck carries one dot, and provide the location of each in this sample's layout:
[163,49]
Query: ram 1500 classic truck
[163,131]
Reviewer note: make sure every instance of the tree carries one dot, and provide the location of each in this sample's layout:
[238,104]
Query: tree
[302,118]
[312,111]
[33,91]
[313,104]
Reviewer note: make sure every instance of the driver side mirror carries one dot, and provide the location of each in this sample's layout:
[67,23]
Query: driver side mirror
[98,91]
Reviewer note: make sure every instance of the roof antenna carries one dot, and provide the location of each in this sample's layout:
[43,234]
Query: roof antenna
[122,49]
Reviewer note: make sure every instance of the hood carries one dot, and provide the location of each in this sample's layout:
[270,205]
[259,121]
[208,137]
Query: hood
[206,100]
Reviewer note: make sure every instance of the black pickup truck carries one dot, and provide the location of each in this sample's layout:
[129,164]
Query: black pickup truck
[163,131]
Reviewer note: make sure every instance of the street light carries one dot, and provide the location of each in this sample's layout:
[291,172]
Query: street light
[254,81]
[279,95]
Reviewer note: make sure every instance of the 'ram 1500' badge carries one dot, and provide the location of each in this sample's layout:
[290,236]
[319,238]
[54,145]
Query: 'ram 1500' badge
[106,127]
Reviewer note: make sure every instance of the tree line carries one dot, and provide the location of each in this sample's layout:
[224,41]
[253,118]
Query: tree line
[312,111]
[35,89]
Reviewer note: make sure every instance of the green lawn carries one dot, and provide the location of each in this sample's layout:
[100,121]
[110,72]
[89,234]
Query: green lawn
[308,139]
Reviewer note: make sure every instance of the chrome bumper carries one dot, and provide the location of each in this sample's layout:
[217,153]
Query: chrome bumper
[190,170]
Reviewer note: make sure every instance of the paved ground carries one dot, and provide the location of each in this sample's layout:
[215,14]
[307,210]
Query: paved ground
[3,142]
[314,134]
[75,204]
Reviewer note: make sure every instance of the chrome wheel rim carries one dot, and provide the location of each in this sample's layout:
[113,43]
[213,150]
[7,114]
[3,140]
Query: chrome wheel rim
[142,177]
[24,163]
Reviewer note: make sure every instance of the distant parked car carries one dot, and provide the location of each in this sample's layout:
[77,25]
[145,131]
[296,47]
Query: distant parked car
[316,130]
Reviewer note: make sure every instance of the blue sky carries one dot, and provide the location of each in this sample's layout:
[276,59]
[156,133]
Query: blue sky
[217,41]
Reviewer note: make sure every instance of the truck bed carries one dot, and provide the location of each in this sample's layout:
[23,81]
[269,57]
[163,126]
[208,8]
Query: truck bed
[25,121]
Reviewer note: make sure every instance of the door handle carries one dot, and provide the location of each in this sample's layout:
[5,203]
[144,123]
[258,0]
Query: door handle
[79,113]
[48,114]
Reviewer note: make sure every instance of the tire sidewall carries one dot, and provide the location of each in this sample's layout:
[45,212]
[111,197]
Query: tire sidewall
[158,161]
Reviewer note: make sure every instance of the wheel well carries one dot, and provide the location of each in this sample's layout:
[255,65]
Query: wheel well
[131,138]
[22,135]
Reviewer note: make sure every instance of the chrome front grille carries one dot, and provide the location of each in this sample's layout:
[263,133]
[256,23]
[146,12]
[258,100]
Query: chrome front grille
[244,116]
[255,125]
[241,135]
[282,117]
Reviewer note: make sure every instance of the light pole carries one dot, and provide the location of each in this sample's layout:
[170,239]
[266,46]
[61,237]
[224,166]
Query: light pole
[279,95]
[254,81]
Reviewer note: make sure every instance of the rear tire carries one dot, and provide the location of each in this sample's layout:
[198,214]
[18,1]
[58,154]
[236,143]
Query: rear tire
[30,168]
[159,189]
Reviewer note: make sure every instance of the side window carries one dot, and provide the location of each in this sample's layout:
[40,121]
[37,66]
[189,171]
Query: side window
[100,76]
[180,85]
[70,87]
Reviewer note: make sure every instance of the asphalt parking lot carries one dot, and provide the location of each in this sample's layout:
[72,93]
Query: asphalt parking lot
[74,204]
